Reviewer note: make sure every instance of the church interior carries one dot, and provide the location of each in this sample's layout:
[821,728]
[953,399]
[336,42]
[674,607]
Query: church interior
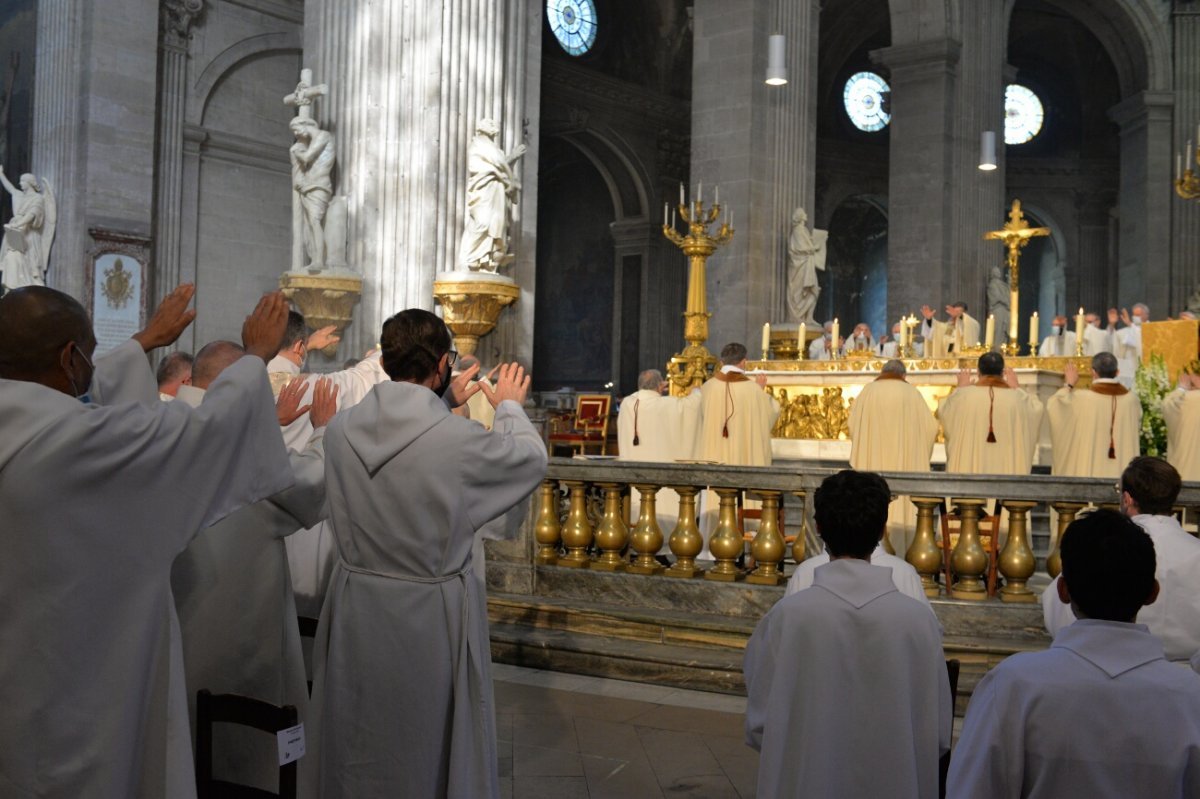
[843,185]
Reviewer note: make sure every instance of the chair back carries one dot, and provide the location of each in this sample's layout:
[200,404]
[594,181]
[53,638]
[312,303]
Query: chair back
[248,712]
[592,410]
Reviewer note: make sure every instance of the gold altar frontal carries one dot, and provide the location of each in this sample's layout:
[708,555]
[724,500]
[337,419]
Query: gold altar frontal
[824,392]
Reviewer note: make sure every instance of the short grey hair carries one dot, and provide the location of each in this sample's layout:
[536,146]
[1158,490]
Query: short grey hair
[733,353]
[1143,306]
[650,380]
[1105,364]
[894,367]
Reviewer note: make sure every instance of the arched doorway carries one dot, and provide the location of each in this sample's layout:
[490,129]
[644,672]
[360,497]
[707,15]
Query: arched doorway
[854,285]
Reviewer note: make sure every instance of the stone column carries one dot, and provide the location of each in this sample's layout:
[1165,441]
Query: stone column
[759,143]
[1087,275]
[1144,255]
[921,174]
[633,315]
[1185,214]
[175,20]
[407,85]
[94,123]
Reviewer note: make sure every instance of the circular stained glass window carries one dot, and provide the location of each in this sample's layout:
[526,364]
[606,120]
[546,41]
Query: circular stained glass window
[864,99]
[1022,114]
[573,23]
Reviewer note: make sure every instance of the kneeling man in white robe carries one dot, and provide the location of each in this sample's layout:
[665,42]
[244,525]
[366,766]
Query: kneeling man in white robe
[846,681]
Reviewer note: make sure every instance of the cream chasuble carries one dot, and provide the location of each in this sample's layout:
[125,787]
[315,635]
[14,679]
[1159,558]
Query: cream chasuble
[1181,409]
[1094,431]
[893,430]
[658,429]
[990,428]
[944,337]
[736,417]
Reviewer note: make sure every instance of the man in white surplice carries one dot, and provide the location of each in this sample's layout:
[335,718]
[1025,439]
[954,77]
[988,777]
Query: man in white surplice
[1100,713]
[402,695]
[233,591]
[97,502]
[846,684]
[1127,340]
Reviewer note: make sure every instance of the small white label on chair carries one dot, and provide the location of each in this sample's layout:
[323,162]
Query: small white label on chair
[291,744]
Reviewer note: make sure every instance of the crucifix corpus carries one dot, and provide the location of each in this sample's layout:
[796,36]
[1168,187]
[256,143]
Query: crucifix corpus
[1015,234]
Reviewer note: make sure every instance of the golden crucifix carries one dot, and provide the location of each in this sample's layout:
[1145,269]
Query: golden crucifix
[1015,234]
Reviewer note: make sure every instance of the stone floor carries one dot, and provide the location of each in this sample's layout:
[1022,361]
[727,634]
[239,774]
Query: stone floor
[563,736]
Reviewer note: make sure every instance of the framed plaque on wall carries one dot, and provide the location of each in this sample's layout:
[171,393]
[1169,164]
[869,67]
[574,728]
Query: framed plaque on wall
[116,272]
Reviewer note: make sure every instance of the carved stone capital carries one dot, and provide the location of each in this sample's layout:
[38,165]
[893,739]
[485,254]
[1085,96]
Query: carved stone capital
[175,18]
[471,305]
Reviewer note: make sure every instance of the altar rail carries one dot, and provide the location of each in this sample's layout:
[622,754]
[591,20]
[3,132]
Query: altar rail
[595,535]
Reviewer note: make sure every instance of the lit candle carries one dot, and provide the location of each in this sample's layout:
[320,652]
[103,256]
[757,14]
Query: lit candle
[989,337]
[1033,332]
[717,195]
[730,218]
[700,193]
[833,338]
[900,338]
[766,342]
[803,335]
[1080,322]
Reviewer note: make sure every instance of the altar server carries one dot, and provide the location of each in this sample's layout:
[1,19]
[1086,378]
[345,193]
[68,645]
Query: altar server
[846,683]
[1061,341]
[97,502]
[234,594]
[1148,490]
[1127,340]
[736,418]
[1093,431]
[1181,410]
[1100,713]
[893,430]
[991,426]
[402,696]
[904,576]
[950,337]
[655,427]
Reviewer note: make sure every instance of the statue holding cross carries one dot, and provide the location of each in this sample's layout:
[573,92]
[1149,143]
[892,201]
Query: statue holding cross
[1015,234]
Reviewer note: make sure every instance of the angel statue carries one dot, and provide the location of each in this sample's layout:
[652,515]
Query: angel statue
[29,234]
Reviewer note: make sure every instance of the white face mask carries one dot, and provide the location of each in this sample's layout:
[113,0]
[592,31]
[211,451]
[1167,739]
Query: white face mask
[1137,320]
[1056,330]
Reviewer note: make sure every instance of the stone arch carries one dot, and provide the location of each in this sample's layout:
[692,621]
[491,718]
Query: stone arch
[1134,37]
[626,179]
[232,57]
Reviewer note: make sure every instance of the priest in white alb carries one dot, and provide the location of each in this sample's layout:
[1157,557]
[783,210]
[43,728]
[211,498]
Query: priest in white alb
[1127,340]
[1093,431]
[1061,341]
[1181,411]
[97,502]
[1095,338]
[892,429]
[953,336]
[991,425]
[655,427]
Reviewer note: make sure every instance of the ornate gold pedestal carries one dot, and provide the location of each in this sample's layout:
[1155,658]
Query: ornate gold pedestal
[325,299]
[471,304]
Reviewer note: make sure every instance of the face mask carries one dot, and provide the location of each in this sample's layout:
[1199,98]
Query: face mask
[83,396]
[1056,330]
[444,383]
[1137,320]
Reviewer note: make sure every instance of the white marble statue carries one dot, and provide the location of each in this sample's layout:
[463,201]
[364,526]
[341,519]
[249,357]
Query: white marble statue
[998,300]
[806,252]
[29,234]
[493,189]
[312,157]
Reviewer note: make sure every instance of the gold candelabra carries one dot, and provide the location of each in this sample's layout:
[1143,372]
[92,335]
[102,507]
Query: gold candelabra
[1187,183]
[695,364]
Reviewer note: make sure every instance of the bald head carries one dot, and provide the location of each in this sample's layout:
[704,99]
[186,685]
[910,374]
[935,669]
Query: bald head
[212,359]
[465,362]
[36,323]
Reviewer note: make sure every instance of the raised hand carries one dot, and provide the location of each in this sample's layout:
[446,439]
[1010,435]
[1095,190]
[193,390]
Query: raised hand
[1187,382]
[761,380]
[170,319]
[512,384]
[320,339]
[1071,374]
[324,403]
[964,377]
[926,311]
[262,333]
[1112,317]
[463,387]
[1125,317]
[1010,377]
[287,406]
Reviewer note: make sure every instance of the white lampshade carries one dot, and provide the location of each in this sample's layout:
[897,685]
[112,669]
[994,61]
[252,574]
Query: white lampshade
[776,61]
[987,150]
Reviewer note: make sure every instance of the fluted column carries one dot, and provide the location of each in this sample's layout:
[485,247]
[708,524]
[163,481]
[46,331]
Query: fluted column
[407,84]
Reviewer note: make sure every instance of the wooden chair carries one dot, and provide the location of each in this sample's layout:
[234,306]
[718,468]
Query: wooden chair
[587,427]
[989,539]
[246,711]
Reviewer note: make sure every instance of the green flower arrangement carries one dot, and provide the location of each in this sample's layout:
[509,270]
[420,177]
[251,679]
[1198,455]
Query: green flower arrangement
[1152,383]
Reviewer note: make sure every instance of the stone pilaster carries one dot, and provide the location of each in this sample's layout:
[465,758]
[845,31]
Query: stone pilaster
[759,143]
[1185,214]
[407,84]
[1144,254]
[921,173]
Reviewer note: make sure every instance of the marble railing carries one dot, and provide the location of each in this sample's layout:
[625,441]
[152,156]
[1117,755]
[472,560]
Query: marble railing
[581,520]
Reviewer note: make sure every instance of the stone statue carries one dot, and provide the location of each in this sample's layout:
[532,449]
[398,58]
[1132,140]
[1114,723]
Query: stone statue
[493,189]
[29,234]
[998,301]
[807,254]
[312,157]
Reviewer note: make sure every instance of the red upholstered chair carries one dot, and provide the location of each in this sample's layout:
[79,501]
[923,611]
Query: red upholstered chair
[587,427]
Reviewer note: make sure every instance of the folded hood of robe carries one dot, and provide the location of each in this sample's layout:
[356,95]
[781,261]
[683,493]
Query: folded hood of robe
[389,419]
[26,411]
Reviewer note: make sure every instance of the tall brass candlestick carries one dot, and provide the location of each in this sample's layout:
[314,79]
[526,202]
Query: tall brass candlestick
[695,364]
[1015,234]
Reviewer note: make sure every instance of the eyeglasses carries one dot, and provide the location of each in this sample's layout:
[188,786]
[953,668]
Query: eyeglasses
[451,357]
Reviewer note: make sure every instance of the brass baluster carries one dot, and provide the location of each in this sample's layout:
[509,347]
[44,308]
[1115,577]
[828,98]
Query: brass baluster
[969,560]
[767,547]
[547,529]
[923,553]
[577,530]
[611,533]
[1067,511]
[726,543]
[686,541]
[1017,563]
[646,538]
[801,542]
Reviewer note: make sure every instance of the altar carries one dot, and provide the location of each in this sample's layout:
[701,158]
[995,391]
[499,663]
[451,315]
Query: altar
[815,397]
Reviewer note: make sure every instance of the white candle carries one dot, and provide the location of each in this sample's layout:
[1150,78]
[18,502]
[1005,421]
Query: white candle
[766,342]
[803,335]
[1033,331]
[682,196]
[665,214]
[700,193]
[1178,166]
[1014,320]
[1080,322]
[833,340]
[717,195]
[900,338]
[990,336]
[730,218]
